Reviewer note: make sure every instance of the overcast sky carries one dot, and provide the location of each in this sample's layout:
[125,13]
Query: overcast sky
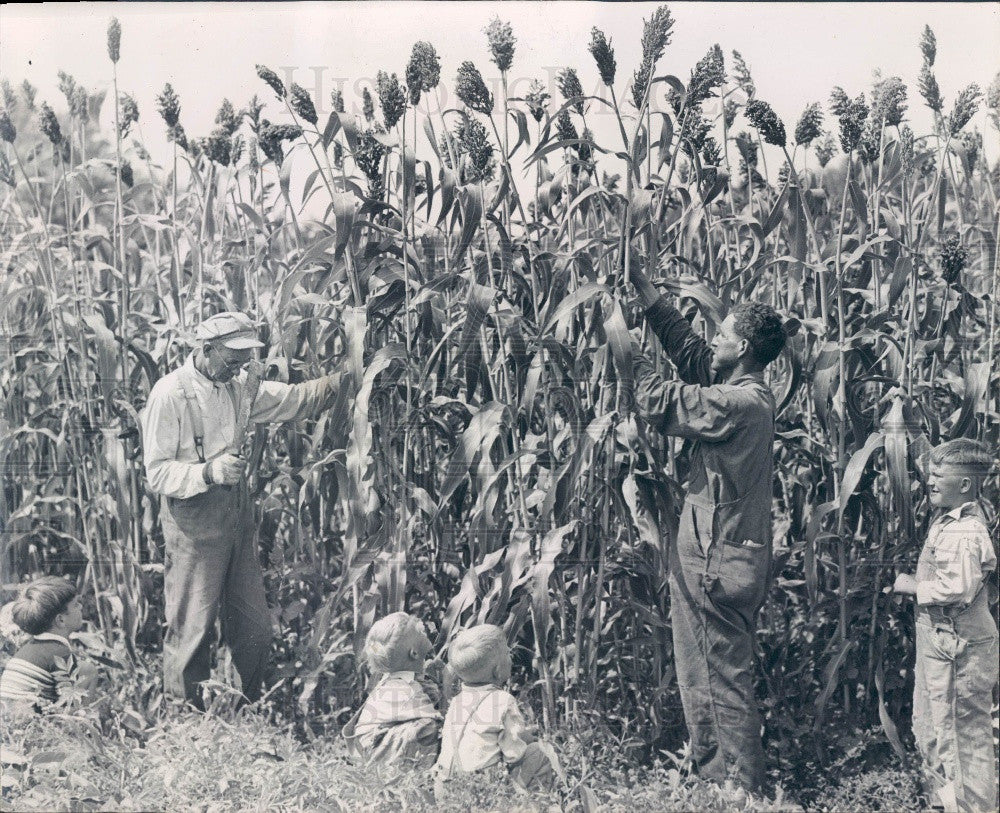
[796,51]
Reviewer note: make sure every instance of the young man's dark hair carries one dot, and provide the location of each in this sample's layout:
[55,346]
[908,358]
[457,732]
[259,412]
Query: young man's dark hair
[760,325]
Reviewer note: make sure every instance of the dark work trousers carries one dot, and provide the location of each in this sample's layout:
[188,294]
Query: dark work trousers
[211,567]
[714,600]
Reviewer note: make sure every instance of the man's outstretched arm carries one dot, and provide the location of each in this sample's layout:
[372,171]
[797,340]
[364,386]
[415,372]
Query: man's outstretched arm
[687,350]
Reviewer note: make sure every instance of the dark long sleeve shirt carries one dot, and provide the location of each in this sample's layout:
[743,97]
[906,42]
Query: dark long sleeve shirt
[732,423]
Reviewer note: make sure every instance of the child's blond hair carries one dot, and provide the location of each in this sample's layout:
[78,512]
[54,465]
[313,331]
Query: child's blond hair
[382,646]
[475,652]
[973,457]
[41,602]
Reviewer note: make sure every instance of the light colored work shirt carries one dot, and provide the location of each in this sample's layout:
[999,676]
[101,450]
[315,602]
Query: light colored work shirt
[956,557]
[169,453]
[482,727]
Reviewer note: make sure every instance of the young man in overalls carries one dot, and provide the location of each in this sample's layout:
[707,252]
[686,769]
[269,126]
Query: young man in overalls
[720,562]
[194,425]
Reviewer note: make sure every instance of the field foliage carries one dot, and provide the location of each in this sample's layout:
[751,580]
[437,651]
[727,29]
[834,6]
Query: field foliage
[471,267]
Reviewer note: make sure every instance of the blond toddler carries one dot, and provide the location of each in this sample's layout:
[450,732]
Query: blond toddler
[398,724]
[483,726]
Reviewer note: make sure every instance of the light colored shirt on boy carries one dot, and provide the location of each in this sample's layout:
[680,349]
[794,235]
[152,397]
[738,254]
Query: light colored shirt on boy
[963,554]
[482,727]
[397,698]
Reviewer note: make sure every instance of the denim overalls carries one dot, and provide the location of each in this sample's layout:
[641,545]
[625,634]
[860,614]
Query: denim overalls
[956,670]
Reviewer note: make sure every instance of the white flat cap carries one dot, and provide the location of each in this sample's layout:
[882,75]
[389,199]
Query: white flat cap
[233,329]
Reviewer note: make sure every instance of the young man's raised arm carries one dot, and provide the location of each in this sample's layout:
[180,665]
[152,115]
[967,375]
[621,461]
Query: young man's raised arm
[687,350]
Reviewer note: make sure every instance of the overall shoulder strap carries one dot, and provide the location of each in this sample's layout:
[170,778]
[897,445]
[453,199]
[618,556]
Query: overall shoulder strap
[194,412]
[461,735]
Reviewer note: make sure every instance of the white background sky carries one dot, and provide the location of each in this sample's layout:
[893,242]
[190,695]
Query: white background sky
[796,51]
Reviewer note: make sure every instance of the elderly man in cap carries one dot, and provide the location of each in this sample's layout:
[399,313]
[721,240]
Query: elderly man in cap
[193,430]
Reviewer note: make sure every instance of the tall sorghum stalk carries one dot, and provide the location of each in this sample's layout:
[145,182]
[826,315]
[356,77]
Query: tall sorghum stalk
[114,44]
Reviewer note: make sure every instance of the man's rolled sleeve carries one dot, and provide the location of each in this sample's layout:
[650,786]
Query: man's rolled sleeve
[161,427]
[959,559]
[277,402]
[685,410]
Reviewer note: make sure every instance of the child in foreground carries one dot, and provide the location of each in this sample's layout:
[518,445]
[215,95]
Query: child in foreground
[398,724]
[50,611]
[957,649]
[483,726]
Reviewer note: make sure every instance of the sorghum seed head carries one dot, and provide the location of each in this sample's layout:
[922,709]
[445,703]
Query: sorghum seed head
[907,149]
[965,107]
[6,171]
[337,101]
[368,155]
[852,123]
[367,105]
[826,149]
[808,128]
[169,106]
[301,102]
[889,100]
[271,78]
[742,75]
[537,99]
[7,130]
[766,121]
[254,108]
[711,153]
[640,83]
[237,150]
[928,46]
[78,106]
[252,155]
[218,147]
[474,142]
[993,94]
[708,74]
[729,111]
[425,65]
[569,86]
[49,125]
[954,257]
[472,90]
[565,128]
[971,144]
[870,144]
[840,102]
[501,39]
[28,91]
[928,86]
[227,118]
[391,98]
[656,35]
[604,55]
[7,96]
[128,113]
[694,130]
[747,146]
[125,170]
[114,40]
[584,149]
[178,136]
[67,84]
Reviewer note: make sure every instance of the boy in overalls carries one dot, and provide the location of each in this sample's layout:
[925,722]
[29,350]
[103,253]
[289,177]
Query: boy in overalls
[957,657]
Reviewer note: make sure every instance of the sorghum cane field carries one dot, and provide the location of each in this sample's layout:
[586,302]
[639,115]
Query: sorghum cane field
[488,465]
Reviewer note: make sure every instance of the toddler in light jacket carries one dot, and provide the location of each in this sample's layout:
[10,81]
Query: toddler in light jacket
[483,726]
[398,724]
